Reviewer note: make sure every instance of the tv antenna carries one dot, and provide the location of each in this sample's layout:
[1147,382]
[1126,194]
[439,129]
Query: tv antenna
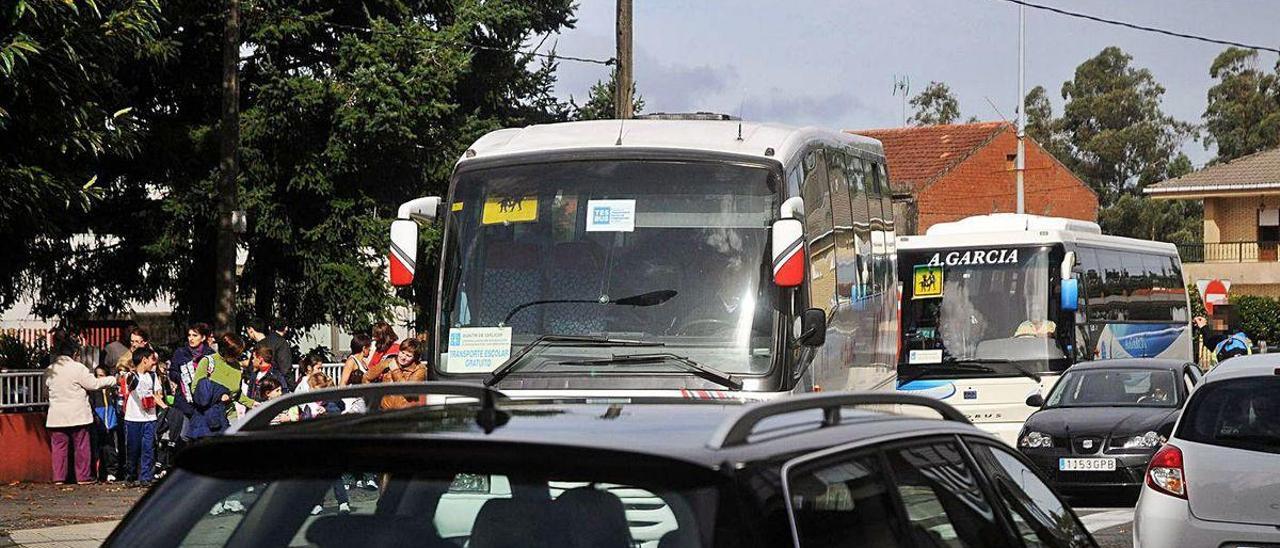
[902,85]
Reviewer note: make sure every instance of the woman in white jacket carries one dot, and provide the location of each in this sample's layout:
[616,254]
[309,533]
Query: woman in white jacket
[69,383]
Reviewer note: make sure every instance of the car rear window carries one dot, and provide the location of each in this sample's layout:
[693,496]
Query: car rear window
[385,509]
[1240,413]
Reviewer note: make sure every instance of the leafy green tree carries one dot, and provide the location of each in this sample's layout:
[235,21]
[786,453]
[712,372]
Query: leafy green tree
[1136,216]
[935,106]
[1243,114]
[600,104]
[67,118]
[1118,136]
[1042,127]
[347,109]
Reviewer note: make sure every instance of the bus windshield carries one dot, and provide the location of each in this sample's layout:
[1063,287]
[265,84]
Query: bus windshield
[978,312]
[668,253]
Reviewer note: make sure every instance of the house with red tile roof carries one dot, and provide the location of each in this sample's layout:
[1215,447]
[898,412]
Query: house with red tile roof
[949,172]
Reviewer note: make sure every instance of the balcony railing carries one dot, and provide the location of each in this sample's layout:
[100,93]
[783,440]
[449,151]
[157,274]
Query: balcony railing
[1229,252]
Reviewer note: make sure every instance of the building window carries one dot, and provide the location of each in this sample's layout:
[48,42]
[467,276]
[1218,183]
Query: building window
[1268,225]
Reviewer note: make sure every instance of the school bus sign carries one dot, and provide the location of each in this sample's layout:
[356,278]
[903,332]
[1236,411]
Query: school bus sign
[927,282]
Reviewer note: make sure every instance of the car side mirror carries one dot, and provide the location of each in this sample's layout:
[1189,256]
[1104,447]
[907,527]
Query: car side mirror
[813,327]
[1035,400]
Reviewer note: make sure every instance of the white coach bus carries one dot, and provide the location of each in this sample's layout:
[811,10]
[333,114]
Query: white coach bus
[672,257]
[995,307]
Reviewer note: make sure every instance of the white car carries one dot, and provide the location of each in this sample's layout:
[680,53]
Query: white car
[1216,482]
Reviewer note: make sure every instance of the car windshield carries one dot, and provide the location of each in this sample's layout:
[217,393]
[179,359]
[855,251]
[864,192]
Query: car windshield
[370,507]
[1114,387]
[655,251]
[1239,413]
[984,305]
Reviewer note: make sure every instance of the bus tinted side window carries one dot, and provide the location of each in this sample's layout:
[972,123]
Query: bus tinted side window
[818,232]
[1115,296]
[841,209]
[1090,271]
[878,262]
[859,178]
[1177,290]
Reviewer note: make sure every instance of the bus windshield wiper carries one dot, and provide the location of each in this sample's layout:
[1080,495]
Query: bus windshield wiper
[516,359]
[652,298]
[1015,365]
[709,373]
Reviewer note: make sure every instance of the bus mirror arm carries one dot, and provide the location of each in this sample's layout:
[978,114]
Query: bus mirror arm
[403,255]
[813,328]
[424,209]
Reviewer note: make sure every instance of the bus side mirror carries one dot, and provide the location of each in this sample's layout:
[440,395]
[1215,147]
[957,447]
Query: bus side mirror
[813,327]
[1070,294]
[1035,400]
[788,252]
[404,251]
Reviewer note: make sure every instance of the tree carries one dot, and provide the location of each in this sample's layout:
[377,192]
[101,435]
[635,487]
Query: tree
[1119,138]
[935,106]
[66,117]
[347,109]
[600,101]
[1041,126]
[1243,114]
[1175,221]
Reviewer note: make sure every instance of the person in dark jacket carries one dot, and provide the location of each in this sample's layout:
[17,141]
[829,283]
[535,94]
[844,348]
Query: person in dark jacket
[262,368]
[209,403]
[282,359]
[182,366]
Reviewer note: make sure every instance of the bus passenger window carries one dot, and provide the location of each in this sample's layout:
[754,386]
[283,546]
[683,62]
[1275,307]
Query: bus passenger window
[819,232]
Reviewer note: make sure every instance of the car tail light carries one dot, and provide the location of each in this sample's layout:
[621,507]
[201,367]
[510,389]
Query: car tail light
[1165,473]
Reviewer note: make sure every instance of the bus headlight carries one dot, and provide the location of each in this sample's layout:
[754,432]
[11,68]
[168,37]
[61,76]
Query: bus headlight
[1036,440]
[1150,440]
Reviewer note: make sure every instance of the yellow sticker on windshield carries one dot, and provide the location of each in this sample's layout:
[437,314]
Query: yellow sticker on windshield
[510,209]
[927,283]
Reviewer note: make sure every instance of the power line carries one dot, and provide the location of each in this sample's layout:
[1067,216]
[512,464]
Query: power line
[1142,27]
[356,28]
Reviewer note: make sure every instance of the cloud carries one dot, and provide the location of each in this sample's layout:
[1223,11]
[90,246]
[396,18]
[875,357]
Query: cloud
[832,110]
[682,88]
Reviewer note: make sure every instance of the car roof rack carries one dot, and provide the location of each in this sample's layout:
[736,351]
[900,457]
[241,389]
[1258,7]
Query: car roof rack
[488,417]
[736,430]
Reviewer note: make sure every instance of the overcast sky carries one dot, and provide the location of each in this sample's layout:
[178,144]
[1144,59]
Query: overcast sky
[832,62]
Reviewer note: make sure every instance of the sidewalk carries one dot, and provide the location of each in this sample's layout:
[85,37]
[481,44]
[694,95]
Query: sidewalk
[47,515]
[84,535]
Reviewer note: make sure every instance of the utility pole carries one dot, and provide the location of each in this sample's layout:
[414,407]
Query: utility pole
[228,167]
[1022,117]
[622,107]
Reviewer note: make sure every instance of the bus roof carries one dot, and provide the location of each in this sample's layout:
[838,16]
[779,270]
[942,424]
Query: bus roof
[1021,229]
[721,136]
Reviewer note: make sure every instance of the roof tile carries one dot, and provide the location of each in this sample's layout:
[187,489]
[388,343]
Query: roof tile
[919,155]
[1259,168]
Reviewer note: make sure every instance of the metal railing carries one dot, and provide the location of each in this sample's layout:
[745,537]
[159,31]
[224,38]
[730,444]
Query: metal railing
[1229,252]
[333,370]
[26,389]
[23,389]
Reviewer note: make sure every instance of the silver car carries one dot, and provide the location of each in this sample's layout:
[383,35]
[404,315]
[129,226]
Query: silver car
[1217,480]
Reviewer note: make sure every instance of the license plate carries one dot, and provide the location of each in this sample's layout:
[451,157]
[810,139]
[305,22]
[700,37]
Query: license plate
[1087,465]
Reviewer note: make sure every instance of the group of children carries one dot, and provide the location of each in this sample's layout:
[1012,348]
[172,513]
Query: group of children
[156,407]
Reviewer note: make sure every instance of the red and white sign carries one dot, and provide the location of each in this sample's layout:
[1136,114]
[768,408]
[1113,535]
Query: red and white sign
[1213,292]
